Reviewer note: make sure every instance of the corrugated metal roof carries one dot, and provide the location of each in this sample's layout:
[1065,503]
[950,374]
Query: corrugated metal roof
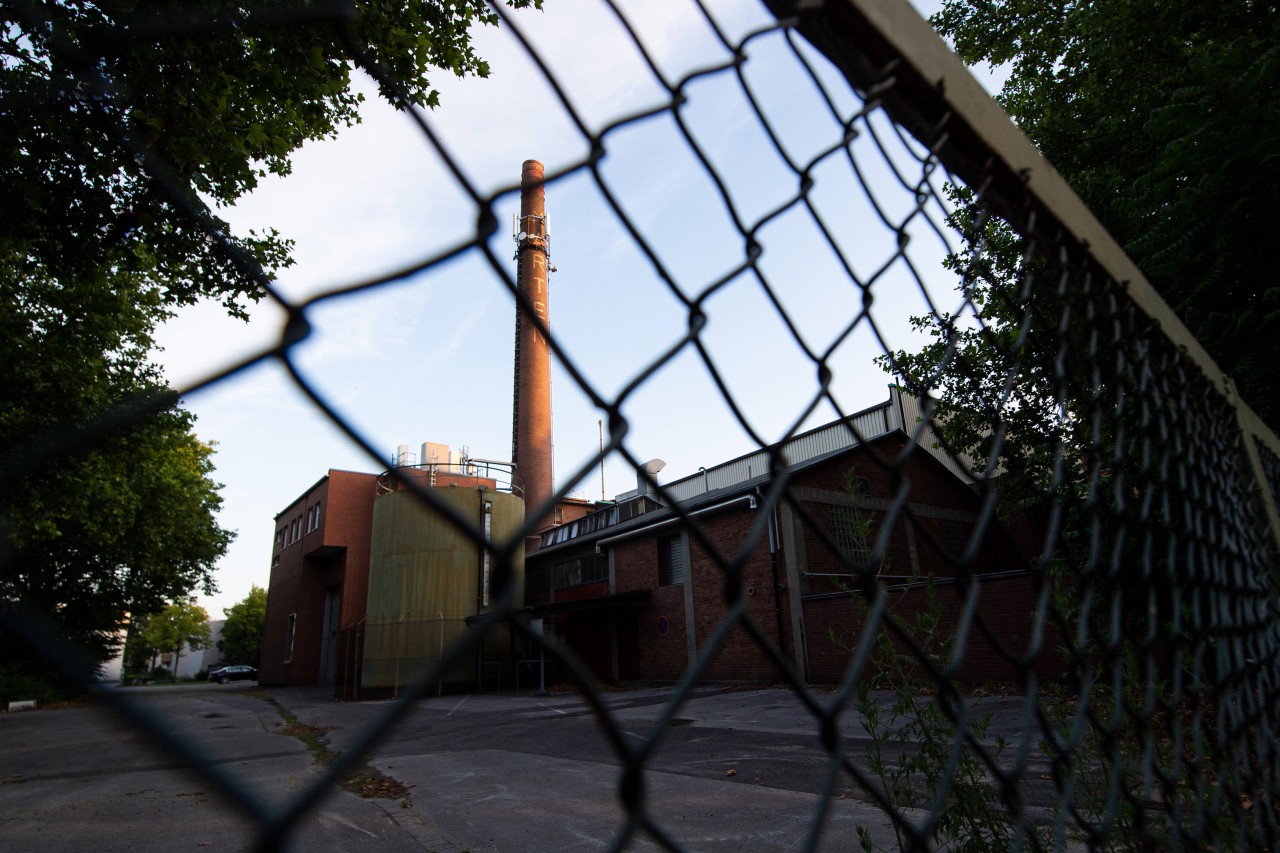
[915,425]
[832,438]
[899,412]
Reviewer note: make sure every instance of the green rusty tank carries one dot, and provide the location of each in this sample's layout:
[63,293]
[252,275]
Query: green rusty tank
[426,577]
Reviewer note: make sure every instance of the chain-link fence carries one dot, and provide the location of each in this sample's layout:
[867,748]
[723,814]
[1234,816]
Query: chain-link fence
[1056,447]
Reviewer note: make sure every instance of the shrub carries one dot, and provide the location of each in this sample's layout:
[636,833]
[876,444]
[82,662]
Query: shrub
[18,684]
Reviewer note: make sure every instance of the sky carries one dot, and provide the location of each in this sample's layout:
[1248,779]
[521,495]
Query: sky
[429,358]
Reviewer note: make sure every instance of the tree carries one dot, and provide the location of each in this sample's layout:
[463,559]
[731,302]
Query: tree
[116,530]
[1158,116]
[1162,117]
[125,126]
[124,122]
[241,640]
[182,623]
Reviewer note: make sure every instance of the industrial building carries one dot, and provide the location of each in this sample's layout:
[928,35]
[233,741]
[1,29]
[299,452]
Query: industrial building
[370,584]
[638,596]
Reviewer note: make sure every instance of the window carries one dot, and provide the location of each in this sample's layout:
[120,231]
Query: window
[636,507]
[955,537]
[484,553]
[313,518]
[288,637]
[537,582]
[862,487]
[581,570]
[852,530]
[670,561]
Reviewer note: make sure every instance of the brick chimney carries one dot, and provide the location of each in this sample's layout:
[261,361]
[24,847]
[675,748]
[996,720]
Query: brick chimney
[531,430]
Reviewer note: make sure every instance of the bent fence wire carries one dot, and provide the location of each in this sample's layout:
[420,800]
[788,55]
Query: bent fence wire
[1086,416]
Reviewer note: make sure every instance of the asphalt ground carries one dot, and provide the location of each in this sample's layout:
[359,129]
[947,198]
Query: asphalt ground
[734,769]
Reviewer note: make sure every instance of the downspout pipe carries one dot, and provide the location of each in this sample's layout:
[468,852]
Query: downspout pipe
[778,586]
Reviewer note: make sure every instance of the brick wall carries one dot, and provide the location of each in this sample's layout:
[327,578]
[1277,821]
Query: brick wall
[661,653]
[333,554]
[740,658]
[282,599]
[664,656]
[661,635]
[348,523]
[1006,608]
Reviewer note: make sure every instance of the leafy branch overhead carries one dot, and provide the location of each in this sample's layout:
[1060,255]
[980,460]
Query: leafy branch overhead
[1163,118]
[103,100]
[126,127]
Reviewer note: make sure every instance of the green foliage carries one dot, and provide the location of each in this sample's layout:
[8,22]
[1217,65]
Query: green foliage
[116,529]
[241,639]
[126,127]
[180,623]
[21,682]
[919,742]
[106,103]
[1162,117]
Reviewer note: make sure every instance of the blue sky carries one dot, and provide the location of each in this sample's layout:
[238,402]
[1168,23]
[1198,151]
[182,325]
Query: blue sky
[429,358]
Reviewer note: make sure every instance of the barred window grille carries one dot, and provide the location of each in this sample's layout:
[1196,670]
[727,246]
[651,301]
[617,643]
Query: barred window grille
[955,536]
[852,530]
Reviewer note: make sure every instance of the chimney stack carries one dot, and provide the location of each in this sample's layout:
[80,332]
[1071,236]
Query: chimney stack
[531,431]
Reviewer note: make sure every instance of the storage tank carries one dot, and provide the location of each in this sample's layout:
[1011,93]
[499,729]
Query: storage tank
[426,576]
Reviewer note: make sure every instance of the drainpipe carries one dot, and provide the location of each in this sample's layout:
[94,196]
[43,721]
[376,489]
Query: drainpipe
[778,587]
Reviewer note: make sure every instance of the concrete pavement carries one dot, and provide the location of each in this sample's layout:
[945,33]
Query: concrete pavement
[734,769]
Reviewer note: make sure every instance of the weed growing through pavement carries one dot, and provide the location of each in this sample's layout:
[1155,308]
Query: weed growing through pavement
[367,782]
[312,737]
[917,752]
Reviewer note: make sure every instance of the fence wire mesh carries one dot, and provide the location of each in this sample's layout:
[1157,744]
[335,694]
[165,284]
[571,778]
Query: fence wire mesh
[1109,502]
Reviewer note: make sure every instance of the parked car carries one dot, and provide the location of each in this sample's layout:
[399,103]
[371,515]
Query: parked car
[224,674]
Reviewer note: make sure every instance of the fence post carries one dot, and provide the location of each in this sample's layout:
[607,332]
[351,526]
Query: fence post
[1252,433]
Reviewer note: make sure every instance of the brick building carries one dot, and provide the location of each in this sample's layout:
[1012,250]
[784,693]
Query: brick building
[637,594]
[321,564]
[319,579]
